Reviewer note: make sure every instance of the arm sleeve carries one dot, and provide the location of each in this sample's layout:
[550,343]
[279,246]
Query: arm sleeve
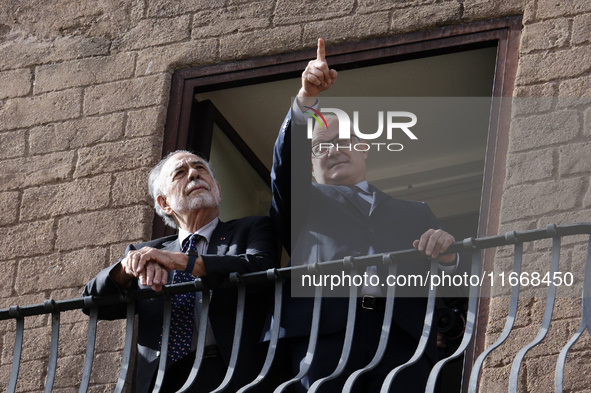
[289,177]
[255,249]
[104,285]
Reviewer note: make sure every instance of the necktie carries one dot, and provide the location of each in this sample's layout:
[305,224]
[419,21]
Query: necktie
[183,309]
[362,203]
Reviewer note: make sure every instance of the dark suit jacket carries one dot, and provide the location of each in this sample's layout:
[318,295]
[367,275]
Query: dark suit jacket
[244,245]
[326,224]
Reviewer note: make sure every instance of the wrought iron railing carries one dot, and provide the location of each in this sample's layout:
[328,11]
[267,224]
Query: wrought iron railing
[472,246]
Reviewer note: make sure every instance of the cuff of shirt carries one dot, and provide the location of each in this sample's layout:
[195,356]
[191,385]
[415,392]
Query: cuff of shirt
[298,116]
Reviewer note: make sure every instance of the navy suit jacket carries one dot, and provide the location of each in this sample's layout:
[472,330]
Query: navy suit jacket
[323,223]
[244,245]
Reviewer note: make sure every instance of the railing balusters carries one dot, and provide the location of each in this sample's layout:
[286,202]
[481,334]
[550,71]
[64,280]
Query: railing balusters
[166,314]
[313,338]
[201,335]
[547,318]
[89,357]
[275,330]
[127,348]
[235,277]
[385,334]
[350,265]
[470,318]
[349,329]
[585,311]
[18,347]
[422,346]
[514,302]
[50,307]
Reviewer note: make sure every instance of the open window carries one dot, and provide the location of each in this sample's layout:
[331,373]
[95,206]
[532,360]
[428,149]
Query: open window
[232,113]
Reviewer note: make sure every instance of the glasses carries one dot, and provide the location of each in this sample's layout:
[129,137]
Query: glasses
[321,148]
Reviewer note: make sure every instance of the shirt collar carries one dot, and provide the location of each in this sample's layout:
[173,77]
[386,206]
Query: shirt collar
[364,185]
[206,231]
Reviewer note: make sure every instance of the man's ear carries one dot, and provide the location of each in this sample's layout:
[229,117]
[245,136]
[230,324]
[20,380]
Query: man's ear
[161,201]
[219,189]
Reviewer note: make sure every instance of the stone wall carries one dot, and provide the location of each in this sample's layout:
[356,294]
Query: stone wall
[84,89]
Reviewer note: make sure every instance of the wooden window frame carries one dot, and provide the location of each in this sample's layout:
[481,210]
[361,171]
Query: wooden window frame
[504,32]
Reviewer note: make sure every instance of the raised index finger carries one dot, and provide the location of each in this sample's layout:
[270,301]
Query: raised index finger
[320,53]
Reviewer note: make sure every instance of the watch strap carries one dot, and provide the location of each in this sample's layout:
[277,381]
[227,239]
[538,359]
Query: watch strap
[193,255]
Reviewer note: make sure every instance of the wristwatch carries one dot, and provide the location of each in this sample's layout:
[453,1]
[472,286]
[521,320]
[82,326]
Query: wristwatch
[193,255]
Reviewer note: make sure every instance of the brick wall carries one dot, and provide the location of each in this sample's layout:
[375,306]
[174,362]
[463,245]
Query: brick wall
[83,97]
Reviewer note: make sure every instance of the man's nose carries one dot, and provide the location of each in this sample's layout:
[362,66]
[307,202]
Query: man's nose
[193,174]
[333,149]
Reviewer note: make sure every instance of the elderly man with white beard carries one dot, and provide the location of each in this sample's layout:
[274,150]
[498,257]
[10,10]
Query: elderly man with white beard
[187,196]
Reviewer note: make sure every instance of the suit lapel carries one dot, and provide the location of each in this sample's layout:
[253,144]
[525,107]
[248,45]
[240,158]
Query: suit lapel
[352,196]
[219,241]
[378,197]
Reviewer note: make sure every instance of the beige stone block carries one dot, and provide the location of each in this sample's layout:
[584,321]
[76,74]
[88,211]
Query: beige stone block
[541,198]
[102,228]
[130,188]
[481,9]
[76,133]
[15,83]
[544,130]
[372,6]
[530,166]
[37,170]
[581,29]
[496,380]
[279,39]
[66,198]
[422,17]
[545,35]
[106,368]
[577,87]
[128,94]
[546,66]
[117,251]
[31,377]
[13,144]
[9,203]
[36,343]
[177,56]
[116,156]
[154,32]
[9,269]
[577,371]
[69,372]
[347,28]
[26,239]
[574,159]
[84,72]
[540,373]
[545,91]
[505,354]
[232,19]
[166,8]
[145,122]
[29,50]
[587,123]
[76,334]
[111,334]
[289,12]
[555,8]
[45,108]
